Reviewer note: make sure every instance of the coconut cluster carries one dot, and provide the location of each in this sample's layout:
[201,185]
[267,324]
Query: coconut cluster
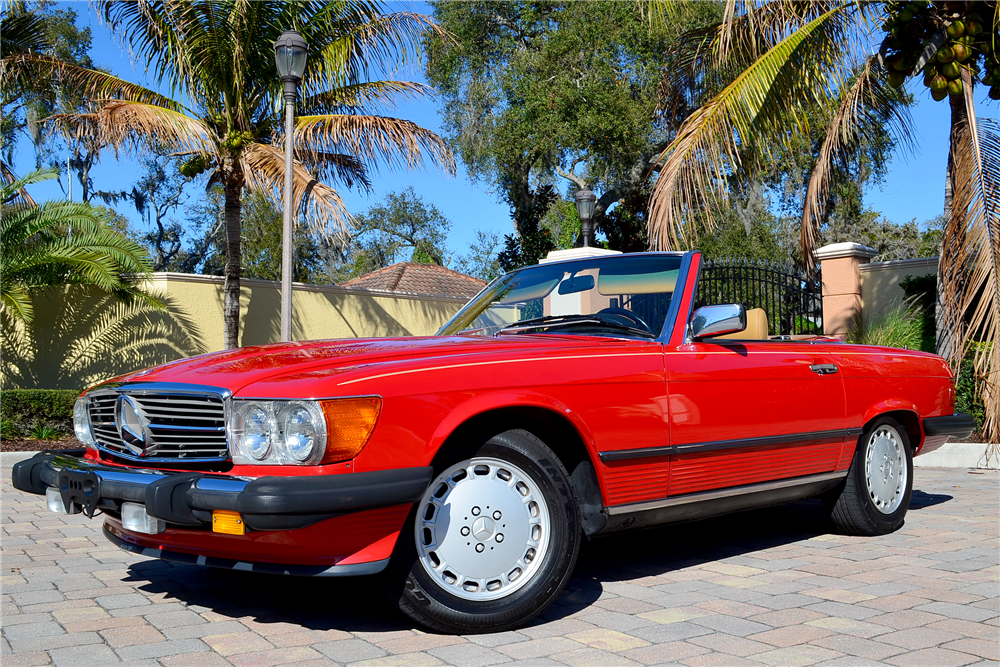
[945,38]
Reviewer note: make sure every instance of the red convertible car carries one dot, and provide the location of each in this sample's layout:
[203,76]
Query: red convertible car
[567,400]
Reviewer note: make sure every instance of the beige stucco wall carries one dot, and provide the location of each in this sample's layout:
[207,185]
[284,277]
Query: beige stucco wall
[880,288]
[81,336]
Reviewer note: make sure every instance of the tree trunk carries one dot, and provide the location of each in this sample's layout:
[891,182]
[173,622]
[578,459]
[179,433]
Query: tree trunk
[948,315]
[231,307]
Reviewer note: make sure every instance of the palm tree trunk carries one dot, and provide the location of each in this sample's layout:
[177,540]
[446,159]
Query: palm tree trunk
[231,306]
[948,315]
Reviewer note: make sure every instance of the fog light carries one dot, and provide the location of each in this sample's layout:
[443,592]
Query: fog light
[136,519]
[55,502]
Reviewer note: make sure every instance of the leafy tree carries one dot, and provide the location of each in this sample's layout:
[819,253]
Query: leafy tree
[261,256]
[482,260]
[402,228]
[534,91]
[59,243]
[229,124]
[793,57]
[55,33]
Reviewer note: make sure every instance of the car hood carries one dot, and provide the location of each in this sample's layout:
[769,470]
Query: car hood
[298,363]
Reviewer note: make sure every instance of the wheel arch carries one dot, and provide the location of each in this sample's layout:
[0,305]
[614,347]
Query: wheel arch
[908,418]
[570,441]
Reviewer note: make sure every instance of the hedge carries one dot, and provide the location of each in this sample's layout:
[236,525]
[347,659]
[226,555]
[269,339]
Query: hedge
[23,410]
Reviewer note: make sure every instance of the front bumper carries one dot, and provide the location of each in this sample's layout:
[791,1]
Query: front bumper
[187,499]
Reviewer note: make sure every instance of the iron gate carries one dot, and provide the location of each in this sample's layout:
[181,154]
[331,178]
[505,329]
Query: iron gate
[792,300]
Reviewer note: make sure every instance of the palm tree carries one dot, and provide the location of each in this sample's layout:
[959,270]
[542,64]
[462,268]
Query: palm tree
[60,243]
[785,58]
[217,58]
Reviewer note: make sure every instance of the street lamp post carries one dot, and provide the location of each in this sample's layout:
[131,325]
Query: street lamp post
[290,56]
[585,202]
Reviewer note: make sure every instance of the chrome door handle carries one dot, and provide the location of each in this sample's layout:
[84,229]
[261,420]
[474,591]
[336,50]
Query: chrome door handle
[824,369]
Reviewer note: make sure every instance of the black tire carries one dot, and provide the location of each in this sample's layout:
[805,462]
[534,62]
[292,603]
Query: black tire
[853,507]
[428,602]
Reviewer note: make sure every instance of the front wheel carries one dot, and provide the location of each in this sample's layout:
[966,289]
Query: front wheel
[876,492]
[492,542]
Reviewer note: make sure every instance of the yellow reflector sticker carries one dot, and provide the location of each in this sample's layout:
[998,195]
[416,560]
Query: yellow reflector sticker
[231,523]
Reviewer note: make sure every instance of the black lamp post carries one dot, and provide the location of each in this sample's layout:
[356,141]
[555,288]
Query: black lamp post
[290,51]
[586,200]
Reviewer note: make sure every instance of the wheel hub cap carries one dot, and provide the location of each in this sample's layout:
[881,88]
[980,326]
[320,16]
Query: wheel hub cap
[482,529]
[885,469]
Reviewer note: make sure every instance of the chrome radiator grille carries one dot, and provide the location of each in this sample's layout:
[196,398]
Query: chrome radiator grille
[175,426]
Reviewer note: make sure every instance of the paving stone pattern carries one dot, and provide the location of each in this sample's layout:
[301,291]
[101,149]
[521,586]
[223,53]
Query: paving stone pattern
[772,587]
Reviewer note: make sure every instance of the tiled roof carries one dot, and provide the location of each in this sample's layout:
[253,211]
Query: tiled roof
[416,278]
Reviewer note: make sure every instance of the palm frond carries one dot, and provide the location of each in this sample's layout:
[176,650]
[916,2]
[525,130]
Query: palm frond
[349,51]
[364,96]
[23,32]
[264,166]
[37,72]
[866,102]
[739,128]
[345,168]
[133,126]
[37,250]
[969,267]
[374,139]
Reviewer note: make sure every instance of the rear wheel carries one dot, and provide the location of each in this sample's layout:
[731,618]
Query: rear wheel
[492,542]
[876,492]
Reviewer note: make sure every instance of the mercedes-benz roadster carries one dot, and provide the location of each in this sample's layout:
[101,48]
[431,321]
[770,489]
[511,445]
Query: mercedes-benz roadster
[567,400]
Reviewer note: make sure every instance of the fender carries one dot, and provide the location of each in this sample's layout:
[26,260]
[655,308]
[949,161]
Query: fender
[898,405]
[890,405]
[512,398]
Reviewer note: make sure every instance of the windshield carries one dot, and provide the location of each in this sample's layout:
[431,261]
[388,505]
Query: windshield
[623,295]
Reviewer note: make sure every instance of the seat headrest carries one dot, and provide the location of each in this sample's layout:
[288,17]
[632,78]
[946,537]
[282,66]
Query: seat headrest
[756,327]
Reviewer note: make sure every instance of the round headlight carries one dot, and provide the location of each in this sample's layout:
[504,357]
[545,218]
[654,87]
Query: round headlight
[256,433]
[81,422]
[300,433]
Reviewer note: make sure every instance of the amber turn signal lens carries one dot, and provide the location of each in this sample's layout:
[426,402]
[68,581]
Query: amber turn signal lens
[231,523]
[349,424]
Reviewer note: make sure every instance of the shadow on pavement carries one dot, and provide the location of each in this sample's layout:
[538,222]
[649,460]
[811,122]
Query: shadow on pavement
[920,500]
[358,605]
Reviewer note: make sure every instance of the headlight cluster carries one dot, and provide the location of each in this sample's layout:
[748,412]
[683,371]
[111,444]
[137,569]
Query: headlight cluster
[300,432]
[81,422]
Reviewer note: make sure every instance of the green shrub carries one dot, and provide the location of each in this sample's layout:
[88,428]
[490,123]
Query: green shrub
[898,326]
[922,290]
[969,387]
[25,410]
[45,433]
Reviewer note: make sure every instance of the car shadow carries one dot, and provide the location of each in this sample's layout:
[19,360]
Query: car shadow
[356,604]
[920,500]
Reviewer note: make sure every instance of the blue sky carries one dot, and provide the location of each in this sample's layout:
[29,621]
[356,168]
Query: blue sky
[914,187]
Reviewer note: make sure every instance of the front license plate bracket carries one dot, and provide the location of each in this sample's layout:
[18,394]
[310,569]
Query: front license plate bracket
[82,488]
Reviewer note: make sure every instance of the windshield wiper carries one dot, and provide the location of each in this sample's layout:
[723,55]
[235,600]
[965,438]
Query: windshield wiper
[555,321]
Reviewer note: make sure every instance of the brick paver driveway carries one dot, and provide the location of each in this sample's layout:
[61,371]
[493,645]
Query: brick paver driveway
[765,587]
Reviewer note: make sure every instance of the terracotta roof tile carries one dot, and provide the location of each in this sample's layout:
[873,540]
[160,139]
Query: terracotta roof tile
[416,278]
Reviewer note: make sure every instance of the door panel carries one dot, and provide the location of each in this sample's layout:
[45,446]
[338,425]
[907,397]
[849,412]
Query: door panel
[743,412]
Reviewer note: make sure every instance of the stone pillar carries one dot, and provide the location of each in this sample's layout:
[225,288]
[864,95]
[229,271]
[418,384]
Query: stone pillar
[841,280]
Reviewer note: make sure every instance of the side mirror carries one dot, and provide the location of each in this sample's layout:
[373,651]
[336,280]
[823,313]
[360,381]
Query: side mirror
[709,321]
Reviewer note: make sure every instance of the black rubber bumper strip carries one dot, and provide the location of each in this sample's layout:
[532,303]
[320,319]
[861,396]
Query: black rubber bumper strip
[266,503]
[958,426]
[321,494]
[350,570]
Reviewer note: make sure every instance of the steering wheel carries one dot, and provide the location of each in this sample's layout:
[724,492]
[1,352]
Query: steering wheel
[631,319]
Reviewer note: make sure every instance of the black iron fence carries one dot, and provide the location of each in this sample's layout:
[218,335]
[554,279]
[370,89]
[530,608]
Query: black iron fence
[792,300]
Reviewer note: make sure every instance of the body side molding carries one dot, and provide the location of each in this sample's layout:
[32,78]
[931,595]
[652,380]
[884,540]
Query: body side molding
[716,494]
[699,447]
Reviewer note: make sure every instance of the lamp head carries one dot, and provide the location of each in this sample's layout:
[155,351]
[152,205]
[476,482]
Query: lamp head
[290,51]
[586,201]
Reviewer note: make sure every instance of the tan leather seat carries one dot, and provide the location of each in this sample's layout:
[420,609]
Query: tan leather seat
[756,327]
